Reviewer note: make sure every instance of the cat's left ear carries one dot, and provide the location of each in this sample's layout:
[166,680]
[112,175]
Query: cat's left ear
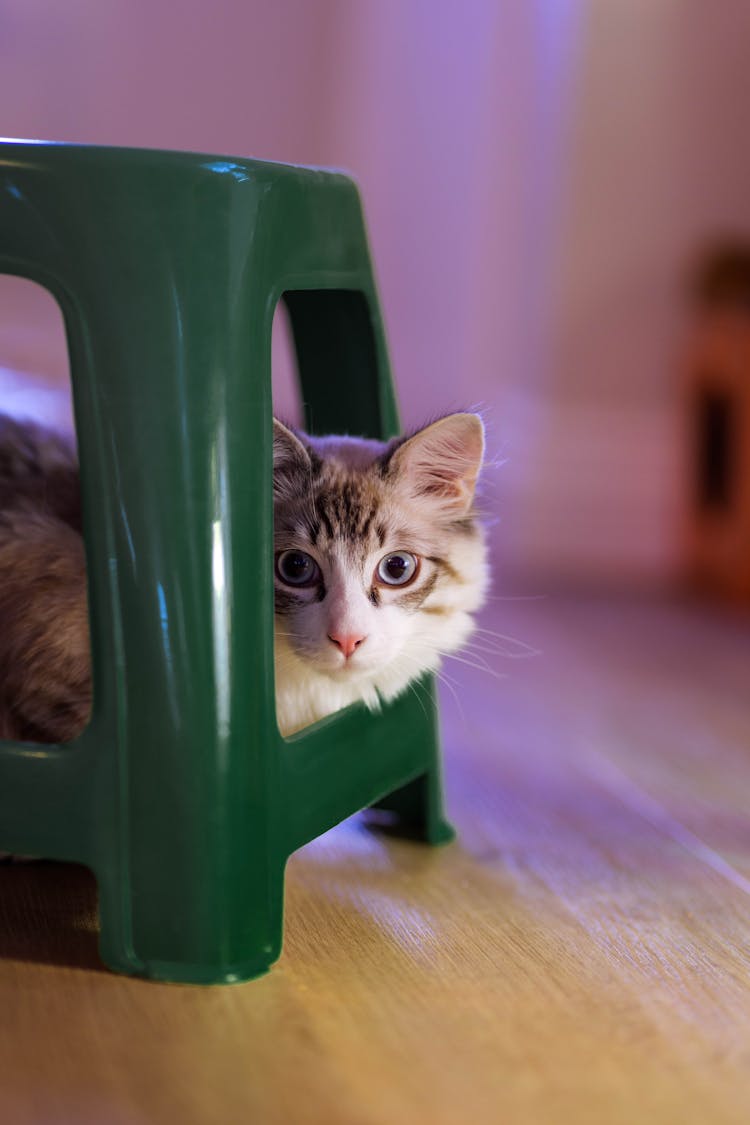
[442,462]
[290,461]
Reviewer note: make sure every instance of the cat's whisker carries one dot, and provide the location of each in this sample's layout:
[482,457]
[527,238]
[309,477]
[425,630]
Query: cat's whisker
[491,634]
[417,683]
[450,684]
[496,633]
[474,655]
[516,597]
[413,688]
[478,667]
[442,677]
[441,672]
[506,653]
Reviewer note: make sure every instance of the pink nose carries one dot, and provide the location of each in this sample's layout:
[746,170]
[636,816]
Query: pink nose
[347,642]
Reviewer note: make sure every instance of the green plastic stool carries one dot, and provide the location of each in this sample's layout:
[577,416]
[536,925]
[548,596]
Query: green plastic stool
[181,795]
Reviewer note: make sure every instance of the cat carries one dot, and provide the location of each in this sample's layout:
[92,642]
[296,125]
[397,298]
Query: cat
[379,564]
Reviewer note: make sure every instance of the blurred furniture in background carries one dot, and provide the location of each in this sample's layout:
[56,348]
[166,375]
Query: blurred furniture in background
[718,377]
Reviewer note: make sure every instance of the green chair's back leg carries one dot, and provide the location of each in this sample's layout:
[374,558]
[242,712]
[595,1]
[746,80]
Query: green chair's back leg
[346,388]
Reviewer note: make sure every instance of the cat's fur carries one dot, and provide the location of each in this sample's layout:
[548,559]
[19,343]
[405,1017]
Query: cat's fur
[45,677]
[345,502]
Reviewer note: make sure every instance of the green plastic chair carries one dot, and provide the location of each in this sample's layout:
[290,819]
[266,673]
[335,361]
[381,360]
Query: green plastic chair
[181,795]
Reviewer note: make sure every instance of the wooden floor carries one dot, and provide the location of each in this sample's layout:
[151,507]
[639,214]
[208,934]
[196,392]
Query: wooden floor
[581,955]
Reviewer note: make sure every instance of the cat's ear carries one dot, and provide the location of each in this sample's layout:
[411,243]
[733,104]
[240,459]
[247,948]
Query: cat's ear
[290,459]
[442,462]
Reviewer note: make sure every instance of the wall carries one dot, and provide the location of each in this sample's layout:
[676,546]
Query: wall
[535,174]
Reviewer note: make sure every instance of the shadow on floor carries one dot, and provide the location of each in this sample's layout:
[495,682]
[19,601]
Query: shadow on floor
[49,915]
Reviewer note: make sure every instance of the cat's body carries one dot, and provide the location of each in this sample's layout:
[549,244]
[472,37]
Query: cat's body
[379,563]
[45,677]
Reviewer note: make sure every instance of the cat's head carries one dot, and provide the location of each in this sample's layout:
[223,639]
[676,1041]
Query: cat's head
[379,558]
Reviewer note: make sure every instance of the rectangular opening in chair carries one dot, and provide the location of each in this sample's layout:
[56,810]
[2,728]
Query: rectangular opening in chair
[325,381]
[45,679]
[336,360]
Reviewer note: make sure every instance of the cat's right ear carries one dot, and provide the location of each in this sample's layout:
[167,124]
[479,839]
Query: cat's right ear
[290,460]
[441,463]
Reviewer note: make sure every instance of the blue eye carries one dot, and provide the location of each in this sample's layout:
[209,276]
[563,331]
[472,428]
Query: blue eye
[296,568]
[397,569]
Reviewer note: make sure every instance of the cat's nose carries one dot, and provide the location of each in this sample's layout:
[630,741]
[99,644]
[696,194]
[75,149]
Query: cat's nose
[347,642]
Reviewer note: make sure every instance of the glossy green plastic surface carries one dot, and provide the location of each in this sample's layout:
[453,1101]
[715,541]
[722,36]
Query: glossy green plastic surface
[181,795]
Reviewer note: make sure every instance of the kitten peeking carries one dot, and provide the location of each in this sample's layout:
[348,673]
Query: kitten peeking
[379,562]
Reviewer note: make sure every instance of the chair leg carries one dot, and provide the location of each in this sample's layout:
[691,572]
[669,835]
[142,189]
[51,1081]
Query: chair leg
[216,955]
[418,809]
[115,937]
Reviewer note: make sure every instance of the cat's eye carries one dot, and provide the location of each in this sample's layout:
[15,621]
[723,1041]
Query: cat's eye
[397,569]
[296,568]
